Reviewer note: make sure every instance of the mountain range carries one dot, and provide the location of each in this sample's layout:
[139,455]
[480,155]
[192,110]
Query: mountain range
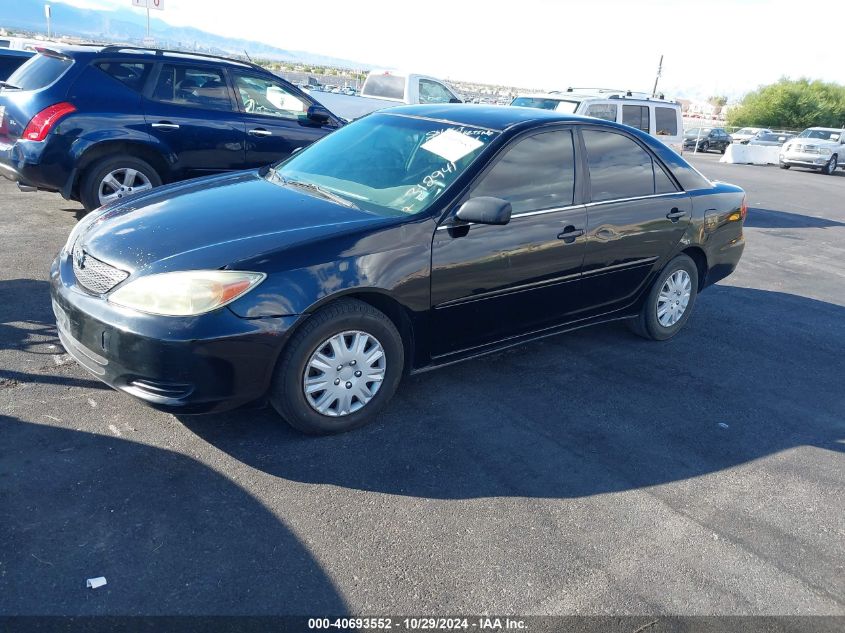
[123,25]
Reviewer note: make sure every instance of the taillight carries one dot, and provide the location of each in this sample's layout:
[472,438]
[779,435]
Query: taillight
[40,125]
[743,210]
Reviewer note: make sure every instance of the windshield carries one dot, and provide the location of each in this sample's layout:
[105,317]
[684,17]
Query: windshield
[747,130]
[39,72]
[696,131]
[824,135]
[544,103]
[387,163]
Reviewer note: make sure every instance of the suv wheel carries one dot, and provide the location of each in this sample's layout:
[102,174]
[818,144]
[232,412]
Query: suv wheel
[669,302]
[114,178]
[339,369]
[784,165]
[705,147]
[830,168]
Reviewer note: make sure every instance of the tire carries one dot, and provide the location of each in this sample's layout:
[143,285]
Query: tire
[784,166]
[724,149]
[705,147]
[830,168]
[345,318]
[648,323]
[94,177]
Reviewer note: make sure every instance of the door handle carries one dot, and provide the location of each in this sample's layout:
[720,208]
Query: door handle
[675,214]
[260,131]
[166,125]
[569,234]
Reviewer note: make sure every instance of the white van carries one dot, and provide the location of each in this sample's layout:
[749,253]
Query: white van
[655,115]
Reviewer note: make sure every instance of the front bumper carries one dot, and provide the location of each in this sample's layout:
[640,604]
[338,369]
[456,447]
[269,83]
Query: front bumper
[800,159]
[212,362]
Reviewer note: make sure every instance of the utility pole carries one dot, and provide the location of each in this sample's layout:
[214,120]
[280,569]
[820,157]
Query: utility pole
[656,79]
[47,13]
[148,23]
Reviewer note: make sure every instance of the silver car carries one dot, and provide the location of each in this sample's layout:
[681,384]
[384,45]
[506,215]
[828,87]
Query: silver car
[821,148]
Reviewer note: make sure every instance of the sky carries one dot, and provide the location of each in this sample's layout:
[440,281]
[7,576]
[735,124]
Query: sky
[710,47]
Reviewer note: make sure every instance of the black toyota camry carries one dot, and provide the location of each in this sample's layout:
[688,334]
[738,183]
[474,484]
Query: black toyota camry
[410,239]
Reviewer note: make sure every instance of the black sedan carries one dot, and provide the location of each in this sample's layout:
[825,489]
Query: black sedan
[413,238]
[707,139]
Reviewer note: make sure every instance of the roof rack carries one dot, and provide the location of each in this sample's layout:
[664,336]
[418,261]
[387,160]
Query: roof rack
[112,48]
[616,93]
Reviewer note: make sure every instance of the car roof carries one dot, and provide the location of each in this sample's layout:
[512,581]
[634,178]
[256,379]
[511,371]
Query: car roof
[826,129]
[495,117]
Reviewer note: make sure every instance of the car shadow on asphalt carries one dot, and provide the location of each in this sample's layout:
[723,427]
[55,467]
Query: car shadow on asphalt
[769,219]
[754,373]
[169,534]
[27,325]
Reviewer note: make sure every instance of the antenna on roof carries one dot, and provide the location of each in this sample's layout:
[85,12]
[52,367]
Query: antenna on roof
[656,79]
[247,56]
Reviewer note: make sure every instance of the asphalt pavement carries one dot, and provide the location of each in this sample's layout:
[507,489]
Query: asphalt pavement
[590,473]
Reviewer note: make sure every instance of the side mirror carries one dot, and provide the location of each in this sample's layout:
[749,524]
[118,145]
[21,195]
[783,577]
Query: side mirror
[485,210]
[455,100]
[318,114]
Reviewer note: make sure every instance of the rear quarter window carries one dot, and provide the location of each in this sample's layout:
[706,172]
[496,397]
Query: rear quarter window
[665,121]
[39,72]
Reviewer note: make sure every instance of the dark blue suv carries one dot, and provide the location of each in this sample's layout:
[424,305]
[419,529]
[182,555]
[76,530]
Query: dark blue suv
[101,123]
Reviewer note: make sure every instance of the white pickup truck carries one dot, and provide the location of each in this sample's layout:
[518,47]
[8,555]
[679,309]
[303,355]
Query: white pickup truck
[384,89]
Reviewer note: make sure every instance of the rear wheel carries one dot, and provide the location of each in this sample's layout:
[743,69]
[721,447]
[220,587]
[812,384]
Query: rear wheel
[114,178]
[670,301]
[339,369]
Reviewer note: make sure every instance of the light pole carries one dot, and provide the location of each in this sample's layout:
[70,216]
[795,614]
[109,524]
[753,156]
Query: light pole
[47,12]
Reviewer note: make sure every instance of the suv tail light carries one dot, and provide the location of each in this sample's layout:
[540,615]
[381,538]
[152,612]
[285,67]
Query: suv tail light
[40,125]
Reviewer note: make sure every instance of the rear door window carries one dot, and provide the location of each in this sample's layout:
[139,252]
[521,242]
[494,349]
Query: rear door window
[130,74]
[621,168]
[636,116]
[536,173]
[39,72]
[606,111]
[665,121]
[196,86]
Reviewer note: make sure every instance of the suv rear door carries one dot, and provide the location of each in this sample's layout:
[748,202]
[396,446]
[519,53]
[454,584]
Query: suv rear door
[274,118]
[191,116]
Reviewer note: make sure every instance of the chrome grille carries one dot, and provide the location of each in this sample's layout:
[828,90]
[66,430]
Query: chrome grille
[807,149]
[94,275]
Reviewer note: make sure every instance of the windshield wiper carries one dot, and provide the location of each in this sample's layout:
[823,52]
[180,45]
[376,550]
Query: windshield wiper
[5,84]
[315,187]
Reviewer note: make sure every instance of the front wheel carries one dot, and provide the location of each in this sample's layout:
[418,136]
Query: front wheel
[339,369]
[115,178]
[830,167]
[670,301]
[705,147]
[783,165]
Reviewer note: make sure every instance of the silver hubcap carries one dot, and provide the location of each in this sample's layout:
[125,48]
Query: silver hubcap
[121,183]
[673,298]
[831,165]
[344,373]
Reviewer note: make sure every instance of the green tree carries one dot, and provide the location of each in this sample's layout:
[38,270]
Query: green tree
[792,104]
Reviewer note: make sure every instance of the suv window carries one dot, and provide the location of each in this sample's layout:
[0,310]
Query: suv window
[635,116]
[606,111]
[433,92]
[536,173]
[620,168]
[665,121]
[39,72]
[196,86]
[130,74]
[262,95]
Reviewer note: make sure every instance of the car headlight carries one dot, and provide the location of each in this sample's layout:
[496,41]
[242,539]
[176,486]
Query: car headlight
[824,151]
[186,293]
